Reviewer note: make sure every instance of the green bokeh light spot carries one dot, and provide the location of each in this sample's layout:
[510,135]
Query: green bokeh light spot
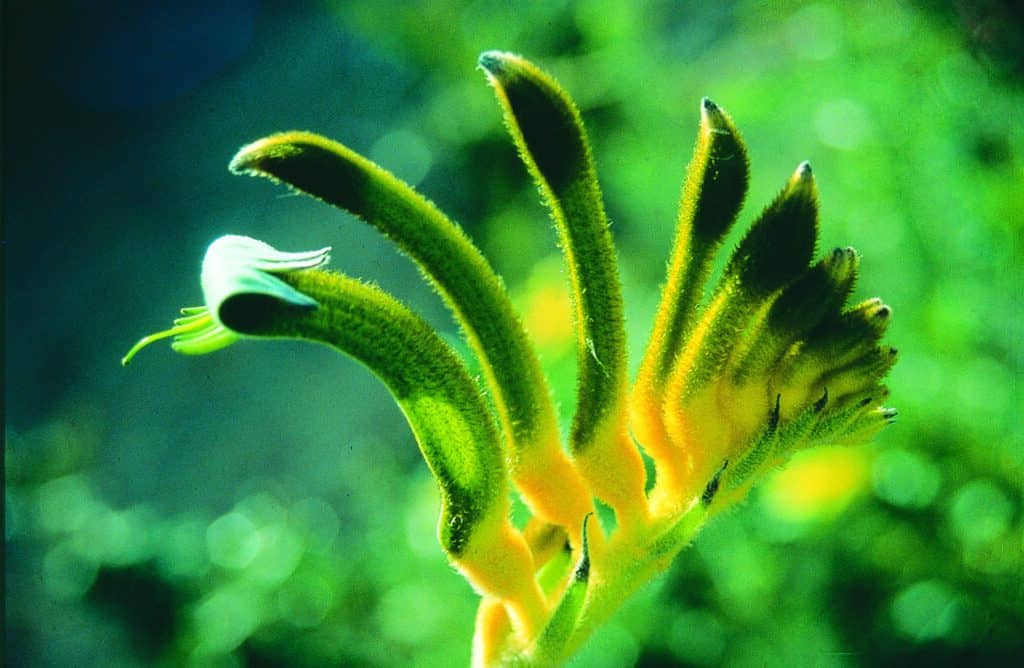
[15,510]
[66,575]
[403,153]
[182,553]
[232,541]
[65,504]
[905,479]
[225,618]
[696,636]
[843,124]
[305,600]
[316,522]
[815,32]
[926,611]
[409,613]
[116,537]
[280,550]
[980,512]
[261,509]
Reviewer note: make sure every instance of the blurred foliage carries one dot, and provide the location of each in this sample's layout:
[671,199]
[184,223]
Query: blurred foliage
[121,550]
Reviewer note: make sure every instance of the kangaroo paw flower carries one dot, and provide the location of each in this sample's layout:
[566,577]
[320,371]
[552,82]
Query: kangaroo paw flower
[772,361]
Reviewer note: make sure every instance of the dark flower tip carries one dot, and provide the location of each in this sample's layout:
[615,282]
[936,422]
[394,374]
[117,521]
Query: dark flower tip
[492,61]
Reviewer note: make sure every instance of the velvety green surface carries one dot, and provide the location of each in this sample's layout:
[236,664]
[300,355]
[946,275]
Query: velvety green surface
[267,506]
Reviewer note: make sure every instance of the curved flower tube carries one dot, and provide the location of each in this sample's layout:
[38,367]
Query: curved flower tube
[254,290]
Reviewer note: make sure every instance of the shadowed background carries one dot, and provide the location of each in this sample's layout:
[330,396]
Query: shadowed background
[266,505]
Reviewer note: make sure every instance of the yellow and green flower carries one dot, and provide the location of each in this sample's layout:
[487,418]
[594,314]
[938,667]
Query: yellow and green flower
[736,377]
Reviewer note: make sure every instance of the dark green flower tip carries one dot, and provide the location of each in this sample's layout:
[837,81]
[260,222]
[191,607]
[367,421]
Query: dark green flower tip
[841,265]
[845,357]
[802,306]
[851,333]
[780,244]
[862,375]
[719,175]
[821,291]
[547,120]
[713,191]
[310,164]
[548,131]
[856,426]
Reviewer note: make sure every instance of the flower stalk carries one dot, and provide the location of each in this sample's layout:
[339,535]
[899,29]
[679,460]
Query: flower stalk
[548,132]
[729,387]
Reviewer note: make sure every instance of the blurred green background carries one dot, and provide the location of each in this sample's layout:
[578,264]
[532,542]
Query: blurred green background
[266,506]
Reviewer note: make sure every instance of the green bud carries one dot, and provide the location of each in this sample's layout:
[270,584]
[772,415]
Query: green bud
[780,244]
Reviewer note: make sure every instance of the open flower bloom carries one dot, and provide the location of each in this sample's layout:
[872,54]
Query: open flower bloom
[240,287]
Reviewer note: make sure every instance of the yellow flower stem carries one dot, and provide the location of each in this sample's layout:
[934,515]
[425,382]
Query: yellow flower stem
[548,132]
[775,252]
[492,633]
[628,562]
[713,191]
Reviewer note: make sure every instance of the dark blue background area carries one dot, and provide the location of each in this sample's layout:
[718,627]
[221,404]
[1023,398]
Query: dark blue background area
[117,56]
[119,120]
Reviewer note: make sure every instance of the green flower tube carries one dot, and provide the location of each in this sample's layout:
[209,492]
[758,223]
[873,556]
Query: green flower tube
[253,290]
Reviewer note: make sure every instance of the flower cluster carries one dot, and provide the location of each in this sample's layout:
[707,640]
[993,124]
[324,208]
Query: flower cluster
[769,362]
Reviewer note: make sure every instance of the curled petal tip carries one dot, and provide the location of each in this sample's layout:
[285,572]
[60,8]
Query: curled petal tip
[241,284]
[240,280]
